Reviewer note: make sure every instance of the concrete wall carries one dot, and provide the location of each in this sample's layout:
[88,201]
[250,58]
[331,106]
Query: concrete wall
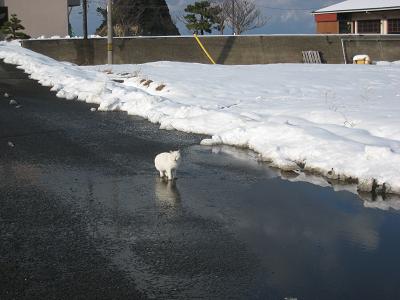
[224,49]
[41,17]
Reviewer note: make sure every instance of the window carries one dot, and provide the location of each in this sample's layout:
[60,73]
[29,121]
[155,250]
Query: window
[394,26]
[344,27]
[372,26]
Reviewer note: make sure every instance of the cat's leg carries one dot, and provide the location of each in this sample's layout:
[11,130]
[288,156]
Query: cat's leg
[161,174]
[169,174]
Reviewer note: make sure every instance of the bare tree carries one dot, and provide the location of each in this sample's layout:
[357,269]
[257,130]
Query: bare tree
[221,17]
[241,15]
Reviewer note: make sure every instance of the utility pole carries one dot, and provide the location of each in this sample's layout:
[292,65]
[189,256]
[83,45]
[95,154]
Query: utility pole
[233,18]
[109,33]
[85,26]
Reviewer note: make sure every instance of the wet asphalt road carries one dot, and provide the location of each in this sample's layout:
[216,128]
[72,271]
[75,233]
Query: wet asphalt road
[83,215]
[64,185]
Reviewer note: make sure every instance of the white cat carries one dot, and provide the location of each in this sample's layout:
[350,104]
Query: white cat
[167,163]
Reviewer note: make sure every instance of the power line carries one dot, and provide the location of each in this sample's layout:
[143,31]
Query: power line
[157,6]
[287,9]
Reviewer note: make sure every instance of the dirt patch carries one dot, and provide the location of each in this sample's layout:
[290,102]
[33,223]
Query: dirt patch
[160,87]
[147,82]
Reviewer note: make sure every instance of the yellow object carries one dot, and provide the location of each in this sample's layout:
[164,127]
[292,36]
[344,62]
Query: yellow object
[204,49]
[362,60]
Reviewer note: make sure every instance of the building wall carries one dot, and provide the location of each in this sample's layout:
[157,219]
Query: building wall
[41,17]
[237,50]
[377,15]
[326,25]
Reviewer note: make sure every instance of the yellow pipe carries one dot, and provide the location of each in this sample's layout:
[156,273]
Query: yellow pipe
[204,49]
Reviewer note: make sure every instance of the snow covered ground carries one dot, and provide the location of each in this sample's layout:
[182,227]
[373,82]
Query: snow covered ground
[340,121]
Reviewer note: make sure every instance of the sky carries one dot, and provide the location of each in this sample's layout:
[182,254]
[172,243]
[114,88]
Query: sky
[284,16]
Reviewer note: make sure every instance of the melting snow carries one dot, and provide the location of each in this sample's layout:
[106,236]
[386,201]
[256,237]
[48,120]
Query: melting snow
[341,121]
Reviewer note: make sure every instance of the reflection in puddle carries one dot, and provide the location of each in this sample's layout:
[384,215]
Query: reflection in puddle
[168,198]
[371,200]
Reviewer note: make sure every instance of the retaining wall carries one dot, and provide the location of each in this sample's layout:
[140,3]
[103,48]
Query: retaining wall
[262,49]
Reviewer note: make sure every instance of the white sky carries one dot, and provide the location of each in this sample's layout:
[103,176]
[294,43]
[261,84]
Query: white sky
[285,16]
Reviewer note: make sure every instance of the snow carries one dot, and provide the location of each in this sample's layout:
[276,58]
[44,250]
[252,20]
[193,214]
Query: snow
[67,37]
[383,204]
[339,121]
[386,63]
[363,5]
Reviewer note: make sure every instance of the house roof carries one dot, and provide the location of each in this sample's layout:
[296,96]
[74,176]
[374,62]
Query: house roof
[360,5]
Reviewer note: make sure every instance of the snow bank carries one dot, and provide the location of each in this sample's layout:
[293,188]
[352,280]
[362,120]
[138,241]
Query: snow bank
[67,37]
[387,63]
[341,121]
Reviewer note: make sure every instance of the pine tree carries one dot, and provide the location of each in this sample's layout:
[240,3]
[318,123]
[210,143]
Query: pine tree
[200,17]
[13,27]
[138,17]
